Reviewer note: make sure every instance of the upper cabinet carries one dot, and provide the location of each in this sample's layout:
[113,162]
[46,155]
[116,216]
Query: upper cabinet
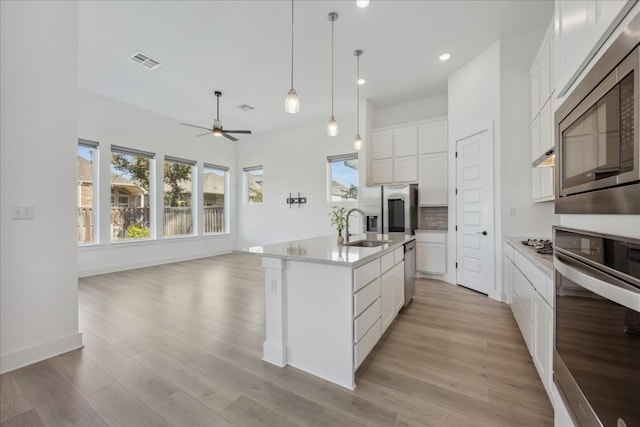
[404,154]
[582,28]
[432,137]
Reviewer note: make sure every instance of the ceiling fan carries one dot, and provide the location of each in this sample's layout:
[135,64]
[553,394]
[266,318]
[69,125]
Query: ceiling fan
[217,124]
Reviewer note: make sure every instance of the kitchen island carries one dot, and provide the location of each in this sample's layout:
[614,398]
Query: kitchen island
[327,305]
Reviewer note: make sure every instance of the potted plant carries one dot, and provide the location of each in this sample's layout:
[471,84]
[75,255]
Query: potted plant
[338,218]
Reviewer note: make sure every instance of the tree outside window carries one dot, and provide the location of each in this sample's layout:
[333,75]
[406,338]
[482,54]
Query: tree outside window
[343,177]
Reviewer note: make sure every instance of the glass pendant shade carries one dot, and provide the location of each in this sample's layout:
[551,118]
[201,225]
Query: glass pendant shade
[362,3]
[357,143]
[332,127]
[292,103]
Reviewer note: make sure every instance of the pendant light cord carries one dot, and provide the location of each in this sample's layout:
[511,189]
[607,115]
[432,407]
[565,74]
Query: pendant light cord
[292,44]
[358,98]
[332,23]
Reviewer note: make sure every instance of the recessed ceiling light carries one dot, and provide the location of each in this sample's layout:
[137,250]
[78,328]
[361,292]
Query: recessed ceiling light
[362,3]
[361,81]
[444,56]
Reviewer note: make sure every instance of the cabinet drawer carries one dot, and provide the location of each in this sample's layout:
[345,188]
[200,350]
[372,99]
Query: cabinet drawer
[431,237]
[398,255]
[365,321]
[547,290]
[365,274]
[366,344]
[531,272]
[386,262]
[524,323]
[523,291]
[365,296]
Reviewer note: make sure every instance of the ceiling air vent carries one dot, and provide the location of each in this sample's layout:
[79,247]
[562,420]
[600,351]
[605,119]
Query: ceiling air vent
[144,60]
[245,107]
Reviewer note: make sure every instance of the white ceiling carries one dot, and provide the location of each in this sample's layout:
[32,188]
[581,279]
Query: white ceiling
[242,48]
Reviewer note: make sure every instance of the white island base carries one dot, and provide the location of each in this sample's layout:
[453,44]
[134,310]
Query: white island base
[326,306]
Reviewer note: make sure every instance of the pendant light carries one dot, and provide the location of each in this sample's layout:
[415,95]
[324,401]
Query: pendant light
[357,143]
[332,124]
[292,103]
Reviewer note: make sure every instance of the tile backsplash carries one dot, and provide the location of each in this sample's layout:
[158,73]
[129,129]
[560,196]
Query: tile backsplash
[436,218]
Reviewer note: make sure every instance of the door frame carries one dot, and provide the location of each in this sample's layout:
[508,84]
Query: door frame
[495,291]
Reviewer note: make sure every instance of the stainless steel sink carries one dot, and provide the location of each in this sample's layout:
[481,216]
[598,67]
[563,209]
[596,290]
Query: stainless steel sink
[368,243]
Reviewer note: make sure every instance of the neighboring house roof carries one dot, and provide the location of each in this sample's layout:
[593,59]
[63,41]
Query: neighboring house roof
[337,188]
[85,170]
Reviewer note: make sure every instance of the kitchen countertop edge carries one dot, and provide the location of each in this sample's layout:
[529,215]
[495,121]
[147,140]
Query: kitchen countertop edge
[544,262]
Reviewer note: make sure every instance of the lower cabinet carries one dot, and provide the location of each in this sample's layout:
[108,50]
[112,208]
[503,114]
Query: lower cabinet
[531,289]
[391,293]
[431,252]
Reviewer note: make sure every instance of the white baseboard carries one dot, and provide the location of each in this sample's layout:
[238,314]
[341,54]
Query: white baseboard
[147,263]
[40,352]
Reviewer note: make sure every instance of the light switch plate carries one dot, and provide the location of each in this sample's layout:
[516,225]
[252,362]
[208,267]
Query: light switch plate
[511,211]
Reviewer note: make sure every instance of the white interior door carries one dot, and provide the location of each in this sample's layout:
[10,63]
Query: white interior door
[474,212]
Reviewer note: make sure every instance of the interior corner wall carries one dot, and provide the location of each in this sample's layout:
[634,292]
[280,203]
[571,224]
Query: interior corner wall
[474,105]
[422,109]
[38,285]
[531,219]
[110,122]
[294,160]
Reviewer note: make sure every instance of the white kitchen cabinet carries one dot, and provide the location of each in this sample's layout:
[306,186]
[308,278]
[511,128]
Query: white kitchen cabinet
[390,293]
[381,144]
[547,186]
[405,169]
[543,340]
[433,137]
[534,85]
[582,27]
[405,141]
[382,171]
[535,138]
[433,180]
[546,128]
[545,85]
[431,252]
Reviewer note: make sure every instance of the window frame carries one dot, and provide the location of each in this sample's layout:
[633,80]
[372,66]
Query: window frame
[341,158]
[226,197]
[95,191]
[150,192]
[246,172]
[194,207]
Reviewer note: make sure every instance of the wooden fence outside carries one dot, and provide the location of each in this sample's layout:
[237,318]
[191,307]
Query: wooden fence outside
[177,221]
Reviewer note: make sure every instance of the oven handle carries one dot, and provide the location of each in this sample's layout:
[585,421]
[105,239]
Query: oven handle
[598,282]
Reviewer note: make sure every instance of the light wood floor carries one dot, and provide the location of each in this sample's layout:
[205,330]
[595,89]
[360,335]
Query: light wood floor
[180,345]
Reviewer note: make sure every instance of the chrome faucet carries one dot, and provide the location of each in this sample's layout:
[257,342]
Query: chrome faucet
[364,221]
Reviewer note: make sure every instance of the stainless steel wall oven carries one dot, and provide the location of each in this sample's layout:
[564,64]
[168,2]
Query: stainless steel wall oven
[598,134]
[596,360]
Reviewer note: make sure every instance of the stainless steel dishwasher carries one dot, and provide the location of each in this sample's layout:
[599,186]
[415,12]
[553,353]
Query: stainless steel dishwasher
[409,271]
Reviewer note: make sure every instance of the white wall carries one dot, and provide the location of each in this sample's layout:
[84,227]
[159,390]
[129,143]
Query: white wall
[294,160]
[110,122]
[422,109]
[531,219]
[474,105]
[38,286]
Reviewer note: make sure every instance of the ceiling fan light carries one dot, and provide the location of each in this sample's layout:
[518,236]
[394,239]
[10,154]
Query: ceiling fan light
[361,81]
[357,143]
[362,3]
[217,132]
[332,127]
[292,103]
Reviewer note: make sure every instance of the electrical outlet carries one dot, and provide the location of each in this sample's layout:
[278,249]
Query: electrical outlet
[274,285]
[22,212]
[511,211]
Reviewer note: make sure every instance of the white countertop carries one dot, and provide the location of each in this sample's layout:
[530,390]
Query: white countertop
[545,262]
[325,249]
[429,230]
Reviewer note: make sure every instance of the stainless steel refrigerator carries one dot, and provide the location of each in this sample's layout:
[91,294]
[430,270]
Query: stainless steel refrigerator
[390,208]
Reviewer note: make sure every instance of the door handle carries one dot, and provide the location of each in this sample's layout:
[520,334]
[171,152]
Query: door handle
[484,233]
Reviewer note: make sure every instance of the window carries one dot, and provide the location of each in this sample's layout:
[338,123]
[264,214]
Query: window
[131,186]
[87,191]
[343,177]
[178,197]
[253,184]
[214,199]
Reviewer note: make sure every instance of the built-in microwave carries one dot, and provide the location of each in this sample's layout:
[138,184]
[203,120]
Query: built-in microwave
[598,154]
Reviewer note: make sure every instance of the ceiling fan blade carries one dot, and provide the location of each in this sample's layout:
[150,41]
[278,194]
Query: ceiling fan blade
[229,136]
[203,134]
[199,127]
[238,131]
